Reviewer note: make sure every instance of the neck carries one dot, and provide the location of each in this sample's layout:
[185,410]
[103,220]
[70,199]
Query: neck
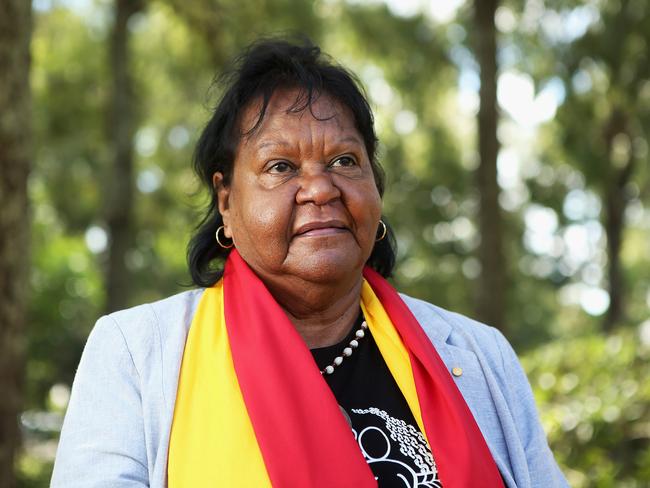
[323,314]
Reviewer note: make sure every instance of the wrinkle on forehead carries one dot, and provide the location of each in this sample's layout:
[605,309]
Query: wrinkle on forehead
[322,107]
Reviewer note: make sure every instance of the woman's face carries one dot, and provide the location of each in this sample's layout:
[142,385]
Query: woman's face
[302,201]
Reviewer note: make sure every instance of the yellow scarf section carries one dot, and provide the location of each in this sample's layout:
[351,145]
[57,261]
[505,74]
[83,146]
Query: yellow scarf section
[212,439]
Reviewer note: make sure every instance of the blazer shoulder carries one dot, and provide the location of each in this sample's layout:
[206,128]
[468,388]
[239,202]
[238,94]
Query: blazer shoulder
[444,322]
[169,310]
[444,326]
[156,324]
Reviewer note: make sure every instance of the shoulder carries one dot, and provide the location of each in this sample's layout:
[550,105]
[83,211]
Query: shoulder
[172,310]
[460,331]
[149,329]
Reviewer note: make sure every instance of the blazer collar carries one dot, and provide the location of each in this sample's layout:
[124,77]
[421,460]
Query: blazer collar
[430,318]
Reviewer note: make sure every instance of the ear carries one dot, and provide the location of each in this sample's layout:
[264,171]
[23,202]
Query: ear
[222,192]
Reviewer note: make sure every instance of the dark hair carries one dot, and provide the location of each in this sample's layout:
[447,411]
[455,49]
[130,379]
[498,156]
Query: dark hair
[264,67]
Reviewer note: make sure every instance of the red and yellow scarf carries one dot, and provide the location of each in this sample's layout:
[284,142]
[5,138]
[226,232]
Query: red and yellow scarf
[253,410]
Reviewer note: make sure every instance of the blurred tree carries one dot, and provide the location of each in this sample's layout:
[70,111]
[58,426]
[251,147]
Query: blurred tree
[491,296]
[15,162]
[120,181]
[227,26]
[596,406]
[605,122]
[207,19]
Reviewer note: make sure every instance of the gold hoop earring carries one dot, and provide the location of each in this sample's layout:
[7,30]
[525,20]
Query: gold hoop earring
[216,234]
[384,231]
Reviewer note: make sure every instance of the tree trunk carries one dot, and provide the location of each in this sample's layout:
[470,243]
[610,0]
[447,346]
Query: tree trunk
[615,200]
[491,283]
[120,181]
[15,155]
[614,224]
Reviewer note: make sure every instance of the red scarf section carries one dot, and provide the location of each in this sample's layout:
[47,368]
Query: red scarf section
[304,439]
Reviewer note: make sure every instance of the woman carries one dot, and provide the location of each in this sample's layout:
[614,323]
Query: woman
[297,364]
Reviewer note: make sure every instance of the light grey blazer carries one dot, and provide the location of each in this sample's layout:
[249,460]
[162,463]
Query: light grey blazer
[116,430]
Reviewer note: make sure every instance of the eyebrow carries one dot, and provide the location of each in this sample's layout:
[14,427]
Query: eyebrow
[265,144]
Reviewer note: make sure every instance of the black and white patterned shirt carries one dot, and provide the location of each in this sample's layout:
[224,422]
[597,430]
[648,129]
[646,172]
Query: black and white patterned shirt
[380,418]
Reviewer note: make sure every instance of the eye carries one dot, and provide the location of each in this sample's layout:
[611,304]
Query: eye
[343,162]
[280,167]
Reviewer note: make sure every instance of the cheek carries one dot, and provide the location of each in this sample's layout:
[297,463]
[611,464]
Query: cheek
[366,211]
[261,224]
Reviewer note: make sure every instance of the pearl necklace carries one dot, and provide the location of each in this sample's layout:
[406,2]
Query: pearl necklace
[347,351]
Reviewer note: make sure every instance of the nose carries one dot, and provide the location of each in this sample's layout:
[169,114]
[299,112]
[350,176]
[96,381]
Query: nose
[317,188]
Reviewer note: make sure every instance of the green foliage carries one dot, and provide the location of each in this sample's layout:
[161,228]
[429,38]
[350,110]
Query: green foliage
[69,97]
[595,406]
[32,472]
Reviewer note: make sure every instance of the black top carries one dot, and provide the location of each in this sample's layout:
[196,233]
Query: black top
[381,420]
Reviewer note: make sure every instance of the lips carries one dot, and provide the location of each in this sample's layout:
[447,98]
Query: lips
[321,228]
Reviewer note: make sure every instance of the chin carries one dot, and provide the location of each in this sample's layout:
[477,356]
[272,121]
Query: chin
[328,267]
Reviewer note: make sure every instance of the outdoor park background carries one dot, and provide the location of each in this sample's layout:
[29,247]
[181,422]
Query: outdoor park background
[546,235]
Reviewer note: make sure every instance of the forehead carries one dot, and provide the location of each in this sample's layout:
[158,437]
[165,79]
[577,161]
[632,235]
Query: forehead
[285,112]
